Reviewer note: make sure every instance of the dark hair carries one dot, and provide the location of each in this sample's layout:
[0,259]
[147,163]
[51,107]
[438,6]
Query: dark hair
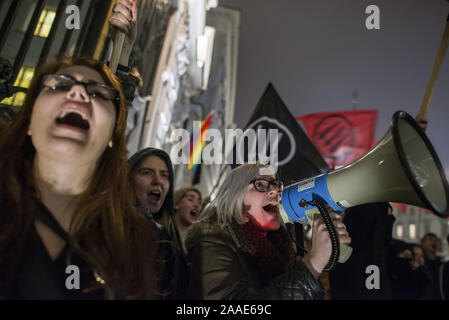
[427,235]
[398,246]
[134,162]
[107,231]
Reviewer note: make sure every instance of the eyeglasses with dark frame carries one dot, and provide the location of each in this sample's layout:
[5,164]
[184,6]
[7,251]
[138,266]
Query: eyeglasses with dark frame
[263,185]
[63,83]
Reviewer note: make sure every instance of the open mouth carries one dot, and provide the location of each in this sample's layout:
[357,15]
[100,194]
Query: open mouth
[154,196]
[271,208]
[194,213]
[73,118]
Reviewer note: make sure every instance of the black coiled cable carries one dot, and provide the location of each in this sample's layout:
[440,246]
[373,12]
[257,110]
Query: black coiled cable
[332,234]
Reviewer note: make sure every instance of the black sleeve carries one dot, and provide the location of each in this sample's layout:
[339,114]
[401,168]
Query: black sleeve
[129,84]
[297,283]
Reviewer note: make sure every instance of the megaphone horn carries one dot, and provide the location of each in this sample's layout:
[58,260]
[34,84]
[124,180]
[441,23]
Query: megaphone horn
[402,167]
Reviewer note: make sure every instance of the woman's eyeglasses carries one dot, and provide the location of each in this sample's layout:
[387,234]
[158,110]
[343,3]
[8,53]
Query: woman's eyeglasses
[263,185]
[60,82]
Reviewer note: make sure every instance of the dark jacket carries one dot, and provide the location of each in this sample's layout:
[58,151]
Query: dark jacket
[433,266]
[406,283]
[174,266]
[36,276]
[129,84]
[444,281]
[219,270]
[370,227]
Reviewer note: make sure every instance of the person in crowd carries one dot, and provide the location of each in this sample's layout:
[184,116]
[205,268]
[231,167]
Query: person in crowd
[188,205]
[66,205]
[408,280]
[151,178]
[418,256]
[421,272]
[370,226]
[240,248]
[429,243]
[64,192]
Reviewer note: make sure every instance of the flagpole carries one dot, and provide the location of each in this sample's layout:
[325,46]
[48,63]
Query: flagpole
[119,40]
[435,71]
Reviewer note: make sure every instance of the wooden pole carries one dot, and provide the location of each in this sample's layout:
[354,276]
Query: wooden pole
[103,34]
[435,71]
[117,49]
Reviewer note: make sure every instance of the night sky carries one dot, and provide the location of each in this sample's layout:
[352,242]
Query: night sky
[317,52]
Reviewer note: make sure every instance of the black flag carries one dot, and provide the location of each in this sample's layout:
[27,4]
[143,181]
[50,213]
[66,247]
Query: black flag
[297,156]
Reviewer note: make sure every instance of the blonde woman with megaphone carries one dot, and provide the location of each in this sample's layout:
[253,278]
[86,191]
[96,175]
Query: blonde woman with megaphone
[240,248]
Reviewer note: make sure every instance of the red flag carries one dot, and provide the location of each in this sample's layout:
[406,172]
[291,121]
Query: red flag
[343,136]
[402,207]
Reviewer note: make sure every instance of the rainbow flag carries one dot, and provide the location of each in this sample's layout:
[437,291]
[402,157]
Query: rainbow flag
[197,143]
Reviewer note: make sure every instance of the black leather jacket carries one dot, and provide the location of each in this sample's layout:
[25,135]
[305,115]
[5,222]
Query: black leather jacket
[219,270]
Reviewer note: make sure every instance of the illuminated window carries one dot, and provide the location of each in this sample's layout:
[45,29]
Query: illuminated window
[23,80]
[412,230]
[399,231]
[45,22]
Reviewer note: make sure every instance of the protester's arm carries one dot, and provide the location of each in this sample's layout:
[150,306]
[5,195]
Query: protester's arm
[318,257]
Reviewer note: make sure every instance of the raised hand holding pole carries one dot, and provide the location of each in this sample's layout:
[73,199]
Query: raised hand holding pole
[119,40]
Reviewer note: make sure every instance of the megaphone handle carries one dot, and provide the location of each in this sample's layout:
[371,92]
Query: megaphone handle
[340,251]
[345,252]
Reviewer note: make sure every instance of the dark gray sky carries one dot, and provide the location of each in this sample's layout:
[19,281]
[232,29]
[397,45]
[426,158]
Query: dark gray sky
[317,52]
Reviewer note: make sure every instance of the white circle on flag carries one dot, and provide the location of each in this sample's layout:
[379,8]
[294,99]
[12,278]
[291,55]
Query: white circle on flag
[285,130]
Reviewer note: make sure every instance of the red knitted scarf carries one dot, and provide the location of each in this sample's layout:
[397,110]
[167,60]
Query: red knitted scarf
[270,253]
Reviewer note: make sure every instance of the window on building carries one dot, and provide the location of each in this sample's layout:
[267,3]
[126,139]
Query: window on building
[45,22]
[412,231]
[399,231]
[23,80]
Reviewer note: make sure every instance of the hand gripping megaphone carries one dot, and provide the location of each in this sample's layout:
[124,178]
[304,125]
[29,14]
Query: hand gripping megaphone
[402,167]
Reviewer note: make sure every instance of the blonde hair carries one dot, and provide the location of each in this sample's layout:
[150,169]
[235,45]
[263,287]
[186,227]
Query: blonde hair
[227,205]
